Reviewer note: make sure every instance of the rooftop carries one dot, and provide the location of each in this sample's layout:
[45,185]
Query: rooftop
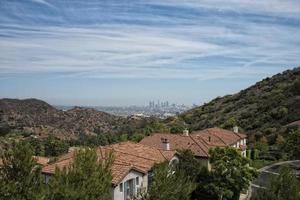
[127,156]
[198,142]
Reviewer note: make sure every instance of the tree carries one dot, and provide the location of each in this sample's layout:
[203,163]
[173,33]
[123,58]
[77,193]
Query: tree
[262,147]
[231,173]
[229,123]
[87,178]
[137,137]
[169,184]
[36,146]
[282,187]
[20,177]
[194,169]
[279,140]
[55,146]
[177,127]
[292,145]
[188,164]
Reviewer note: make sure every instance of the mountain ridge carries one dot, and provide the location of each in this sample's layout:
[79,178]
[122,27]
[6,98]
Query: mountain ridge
[261,109]
[41,118]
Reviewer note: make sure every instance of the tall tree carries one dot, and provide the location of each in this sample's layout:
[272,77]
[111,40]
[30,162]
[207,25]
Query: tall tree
[55,146]
[170,184]
[283,187]
[87,178]
[194,169]
[188,164]
[231,172]
[292,145]
[20,177]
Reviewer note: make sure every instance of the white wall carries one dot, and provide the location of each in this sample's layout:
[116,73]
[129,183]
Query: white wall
[143,182]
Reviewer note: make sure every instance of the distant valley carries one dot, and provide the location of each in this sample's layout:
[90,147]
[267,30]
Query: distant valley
[264,109]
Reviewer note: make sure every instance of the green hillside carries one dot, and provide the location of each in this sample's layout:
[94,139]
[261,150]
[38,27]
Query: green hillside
[262,109]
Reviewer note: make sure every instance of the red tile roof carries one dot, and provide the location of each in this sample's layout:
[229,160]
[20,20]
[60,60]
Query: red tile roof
[198,142]
[41,160]
[127,156]
[218,136]
[177,142]
[38,159]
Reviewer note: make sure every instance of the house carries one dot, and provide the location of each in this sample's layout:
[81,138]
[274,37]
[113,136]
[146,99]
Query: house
[130,169]
[198,142]
[133,162]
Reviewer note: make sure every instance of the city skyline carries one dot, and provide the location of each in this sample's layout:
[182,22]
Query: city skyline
[125,52]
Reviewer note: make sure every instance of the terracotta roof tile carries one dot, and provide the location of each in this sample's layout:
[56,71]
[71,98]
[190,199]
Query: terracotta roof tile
[127,156]
[198,142]
[41,160]
[218,136]
[168,154]
[177,142]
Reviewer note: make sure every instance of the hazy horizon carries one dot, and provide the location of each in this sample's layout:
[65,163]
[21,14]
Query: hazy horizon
[128,52]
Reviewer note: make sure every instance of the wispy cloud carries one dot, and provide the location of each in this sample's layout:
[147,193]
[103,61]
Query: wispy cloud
[154,39]
[44,2]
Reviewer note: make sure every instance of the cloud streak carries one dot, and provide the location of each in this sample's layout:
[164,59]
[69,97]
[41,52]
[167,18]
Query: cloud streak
[137,39]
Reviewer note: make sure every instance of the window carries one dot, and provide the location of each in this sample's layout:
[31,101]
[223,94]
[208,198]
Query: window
[121,187]
[129,189]
[137,181]
[150,178]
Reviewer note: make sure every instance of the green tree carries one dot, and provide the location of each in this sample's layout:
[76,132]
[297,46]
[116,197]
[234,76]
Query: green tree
[177,127]
[37,146]
[188,164]
[262,147]
[170,184]
[231,172]
[20,177]
[229,123]
[292,145]
[283,187]
[137,137]
[194,169]
[87,178]
[55,146]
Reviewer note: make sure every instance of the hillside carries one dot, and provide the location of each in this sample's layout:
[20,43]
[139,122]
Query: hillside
[262,109]
[42,119]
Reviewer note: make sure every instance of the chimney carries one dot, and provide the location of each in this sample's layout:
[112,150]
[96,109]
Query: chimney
[165,144]
[185,132]
[236,129]
[209,138]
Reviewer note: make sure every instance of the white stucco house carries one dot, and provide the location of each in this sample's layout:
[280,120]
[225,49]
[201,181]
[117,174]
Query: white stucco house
[131,169]
[133,162]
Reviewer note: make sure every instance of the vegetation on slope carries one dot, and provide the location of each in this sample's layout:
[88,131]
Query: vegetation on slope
[262,109]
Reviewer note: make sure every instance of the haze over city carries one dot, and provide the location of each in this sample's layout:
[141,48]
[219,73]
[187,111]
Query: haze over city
[128,52]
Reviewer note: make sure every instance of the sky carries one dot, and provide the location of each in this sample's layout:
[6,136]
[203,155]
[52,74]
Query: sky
[128,52]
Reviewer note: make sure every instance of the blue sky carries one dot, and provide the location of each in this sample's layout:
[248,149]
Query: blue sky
[125,52]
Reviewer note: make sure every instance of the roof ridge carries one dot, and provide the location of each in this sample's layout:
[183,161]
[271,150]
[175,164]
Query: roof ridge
[160,151]
[217,136]
[199,136]
[153,148]
[205,143]
[101,152]
[237,134]
[135,155]
[65,158]
[198,144]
